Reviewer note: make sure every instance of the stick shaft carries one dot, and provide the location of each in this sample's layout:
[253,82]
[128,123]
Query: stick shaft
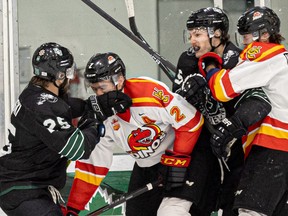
[134,29]
[125,198]
[155,56]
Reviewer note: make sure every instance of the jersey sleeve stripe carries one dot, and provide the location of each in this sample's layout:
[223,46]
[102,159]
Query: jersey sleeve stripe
[88,177]
[199,118]
[146,101]
[90,168]
[220,91]
[74,148]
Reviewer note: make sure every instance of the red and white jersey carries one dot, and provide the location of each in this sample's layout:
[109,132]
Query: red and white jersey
[157,120]
[261,65]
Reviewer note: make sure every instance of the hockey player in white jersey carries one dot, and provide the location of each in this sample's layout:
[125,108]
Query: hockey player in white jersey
[262,190]
[159,126]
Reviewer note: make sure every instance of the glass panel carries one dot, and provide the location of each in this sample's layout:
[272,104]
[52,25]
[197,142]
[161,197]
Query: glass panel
[281,9]
[74,25]
[172,15]
[234,9]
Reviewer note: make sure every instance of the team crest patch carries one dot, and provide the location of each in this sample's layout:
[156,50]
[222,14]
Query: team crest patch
[160,94]
[257,15]
[115,124]
[145,140]
[253,52]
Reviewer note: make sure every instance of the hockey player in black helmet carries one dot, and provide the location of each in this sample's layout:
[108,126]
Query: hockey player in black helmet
[262,189]
[251,29]
[100,68]
[42,137]
[157,127]
[208,30]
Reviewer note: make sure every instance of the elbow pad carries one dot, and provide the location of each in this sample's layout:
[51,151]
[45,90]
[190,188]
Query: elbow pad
[253,108]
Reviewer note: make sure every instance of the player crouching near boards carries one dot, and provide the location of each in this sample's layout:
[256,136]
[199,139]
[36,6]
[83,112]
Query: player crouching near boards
[158,126]
[42,137]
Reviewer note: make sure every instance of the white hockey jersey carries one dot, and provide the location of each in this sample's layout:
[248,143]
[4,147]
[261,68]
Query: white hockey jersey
[261,65]
[157,120]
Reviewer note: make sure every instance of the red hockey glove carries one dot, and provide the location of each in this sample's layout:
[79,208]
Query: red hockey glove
[173,171]
[226,134]
[208,59]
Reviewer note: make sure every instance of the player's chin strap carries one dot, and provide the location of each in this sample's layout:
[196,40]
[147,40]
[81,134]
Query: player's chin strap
[62,86]
[214,47]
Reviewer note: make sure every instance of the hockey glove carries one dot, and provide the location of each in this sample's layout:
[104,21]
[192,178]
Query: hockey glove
[208,59]
[109,104]
[228,131]
[89,120]
[173,169]
[192,88]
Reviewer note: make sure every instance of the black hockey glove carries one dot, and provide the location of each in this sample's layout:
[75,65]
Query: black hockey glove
[173,169]
[88,120]
[208,59]
[225,135]
[196,92]
[192,88]
[109,104]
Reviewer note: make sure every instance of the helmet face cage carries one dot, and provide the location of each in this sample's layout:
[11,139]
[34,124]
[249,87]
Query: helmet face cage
[104,66]
[258,20]
[211,18]
[51,61]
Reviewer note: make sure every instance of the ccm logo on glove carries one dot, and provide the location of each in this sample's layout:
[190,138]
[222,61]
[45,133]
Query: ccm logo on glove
[175,161]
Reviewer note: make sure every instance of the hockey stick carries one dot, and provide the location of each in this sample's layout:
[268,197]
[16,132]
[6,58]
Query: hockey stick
[155,56]
[126,197]
[134,29]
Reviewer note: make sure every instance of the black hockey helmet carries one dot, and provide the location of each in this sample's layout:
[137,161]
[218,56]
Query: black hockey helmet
[102,66]
[212,17]
[52,61]
[258,19]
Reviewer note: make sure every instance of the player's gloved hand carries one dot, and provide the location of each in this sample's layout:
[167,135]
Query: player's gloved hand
[228,131]
[89,120]
[109,104]
[192,88]
[173,171]
[209,59]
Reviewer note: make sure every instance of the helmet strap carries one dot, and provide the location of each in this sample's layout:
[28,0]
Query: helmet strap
[62,87]
[214,47]
[55,84]
[214,36]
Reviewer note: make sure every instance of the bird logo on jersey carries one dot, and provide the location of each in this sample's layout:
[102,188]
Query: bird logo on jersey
[145,140]
[46,97]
